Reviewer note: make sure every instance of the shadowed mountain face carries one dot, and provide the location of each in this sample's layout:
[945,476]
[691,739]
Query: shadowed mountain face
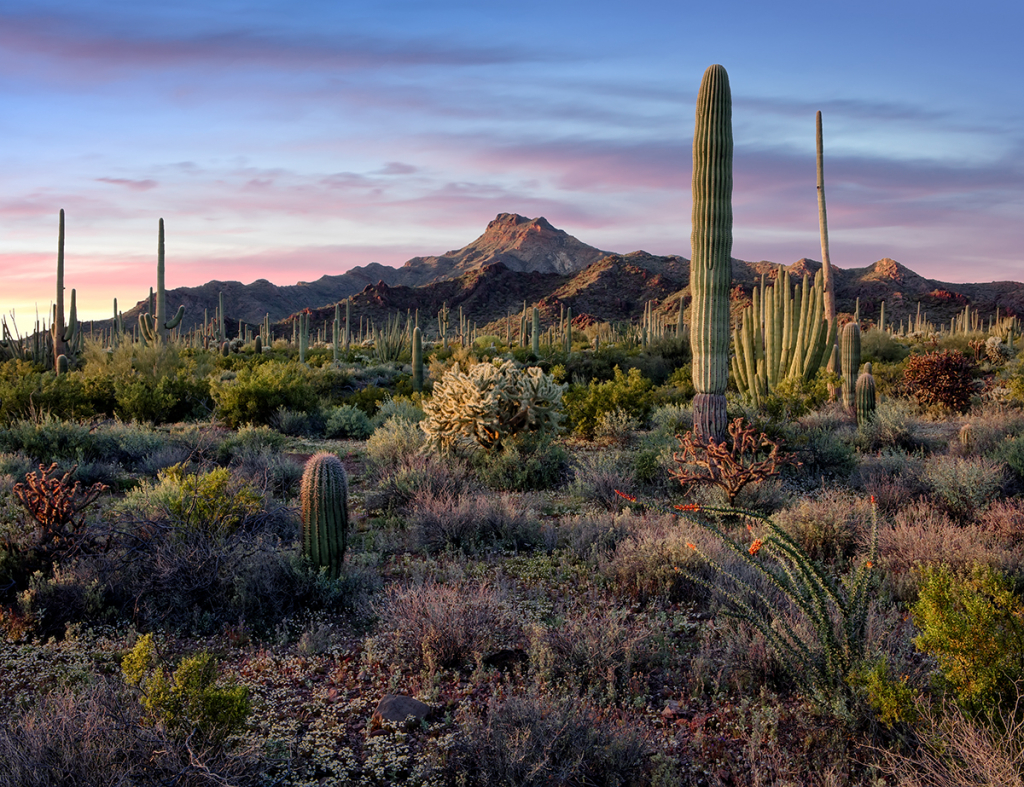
[519,260]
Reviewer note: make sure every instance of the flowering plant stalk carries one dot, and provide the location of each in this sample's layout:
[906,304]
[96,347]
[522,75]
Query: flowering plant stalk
[836,609]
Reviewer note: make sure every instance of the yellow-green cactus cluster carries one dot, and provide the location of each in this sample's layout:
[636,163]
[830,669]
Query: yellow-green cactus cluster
[488,404]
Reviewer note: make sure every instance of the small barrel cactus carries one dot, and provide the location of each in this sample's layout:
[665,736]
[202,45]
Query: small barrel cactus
[865,396]
[324,495]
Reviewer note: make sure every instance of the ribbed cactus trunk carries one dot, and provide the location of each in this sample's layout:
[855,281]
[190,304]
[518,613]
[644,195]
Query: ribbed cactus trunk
[535,341]
[711,247]
[417,359]
[850,360]
[58,327]
[324,496]
[865,396]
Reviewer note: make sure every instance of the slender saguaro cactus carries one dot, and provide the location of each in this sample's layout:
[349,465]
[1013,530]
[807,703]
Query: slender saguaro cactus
[324,495]
[865,396]
[711,247]
[417,359]
[63,334]
[850,352]
[157,327]
[826,262]
[535,346]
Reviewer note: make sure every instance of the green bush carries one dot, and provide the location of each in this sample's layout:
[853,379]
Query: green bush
[189,699]
[963,486]
[973,625]
[254,395]
[393,442]
[892,699]
[347,421]
[585,405]
[50,439]
[527,462]
[27,392]
[878,346]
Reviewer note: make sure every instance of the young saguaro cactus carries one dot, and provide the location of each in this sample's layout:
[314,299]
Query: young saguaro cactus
[865,396]
[711,247]
[417,359]
[63,335]
[324,495]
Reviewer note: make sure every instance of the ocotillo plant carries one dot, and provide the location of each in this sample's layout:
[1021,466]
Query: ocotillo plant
[324,495]
[711,247]
[63,334]
[850,361]
[156,327]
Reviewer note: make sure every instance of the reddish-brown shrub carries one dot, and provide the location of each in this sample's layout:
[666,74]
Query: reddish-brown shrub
[942,378]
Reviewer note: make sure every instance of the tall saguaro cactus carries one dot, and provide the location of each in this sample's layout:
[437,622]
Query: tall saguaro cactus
[63,334]
[156,328]
[711,247]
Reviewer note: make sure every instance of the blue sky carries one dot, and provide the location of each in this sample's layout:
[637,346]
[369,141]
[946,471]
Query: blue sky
[289,140]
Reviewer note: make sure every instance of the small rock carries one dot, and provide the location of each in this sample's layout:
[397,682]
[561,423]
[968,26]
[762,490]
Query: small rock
[398,707]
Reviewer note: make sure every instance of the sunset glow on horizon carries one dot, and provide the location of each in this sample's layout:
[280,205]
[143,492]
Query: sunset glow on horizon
[289,141]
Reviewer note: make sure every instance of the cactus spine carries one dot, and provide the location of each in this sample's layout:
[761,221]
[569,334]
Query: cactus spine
[850,360]
[865,396]
[711,247]
[324,495]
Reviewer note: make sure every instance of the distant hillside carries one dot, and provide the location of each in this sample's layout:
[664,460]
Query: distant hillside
[518,259]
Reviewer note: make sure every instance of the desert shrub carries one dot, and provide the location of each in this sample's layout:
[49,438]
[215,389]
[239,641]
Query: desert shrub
[192,698]
[527,462]
[398,408]
[532,741]
[70,594]
[26,392]
[368,398]
[878,346]
[1011,453]
[943,378]
[96,735]
[252,395]
[585,405]
[176,395]
[963,486]
[347,422]
[892,427]
[127,444]
[830,526]
[488,404]
[671,419]
[471,523]
[49,439]
[893,700]
[640,557]
[297,423]
[393,442]
[596,651]
[825,453]
[599,476]
[921,535]
[269,471]
[249,439]
[15,465]
[423,475]
[973,625]
[1004,519]
[214,502]
[892,478]
[435,626]
[617,427]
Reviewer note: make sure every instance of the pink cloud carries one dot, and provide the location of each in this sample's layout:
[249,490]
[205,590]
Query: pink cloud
[131,185]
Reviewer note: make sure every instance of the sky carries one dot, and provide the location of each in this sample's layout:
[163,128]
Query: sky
[288,140]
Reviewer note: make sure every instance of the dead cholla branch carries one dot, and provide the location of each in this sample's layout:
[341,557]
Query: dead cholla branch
[730,464]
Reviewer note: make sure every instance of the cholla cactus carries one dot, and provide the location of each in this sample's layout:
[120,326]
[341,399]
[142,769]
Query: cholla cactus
[489,403]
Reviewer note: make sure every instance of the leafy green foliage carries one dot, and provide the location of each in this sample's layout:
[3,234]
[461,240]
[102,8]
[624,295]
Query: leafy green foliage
[973,625]
[253,395]
[188,699]
[526,462]
[892,699]
[585,405]
[347,421]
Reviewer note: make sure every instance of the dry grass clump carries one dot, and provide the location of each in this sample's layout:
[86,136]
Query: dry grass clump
[472,522]
[434,626]
[1005,519]
[536,741]
[983,431]
[951,749]
[420,476]
[829,526]
[395,441]
[598,475]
